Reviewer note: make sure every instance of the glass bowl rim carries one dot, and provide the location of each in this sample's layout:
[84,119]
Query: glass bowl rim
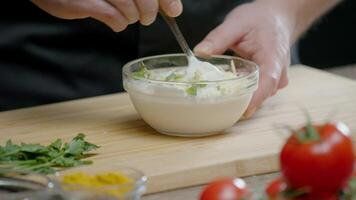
[127,66]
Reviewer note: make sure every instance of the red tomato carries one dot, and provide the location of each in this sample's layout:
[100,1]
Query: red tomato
[226,189]
[276,187]
[321,161]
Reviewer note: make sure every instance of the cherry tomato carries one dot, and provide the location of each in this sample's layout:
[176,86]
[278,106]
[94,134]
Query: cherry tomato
[319,158]
[226,189]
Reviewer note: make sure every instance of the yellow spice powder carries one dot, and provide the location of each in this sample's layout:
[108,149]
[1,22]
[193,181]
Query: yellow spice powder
[114,183]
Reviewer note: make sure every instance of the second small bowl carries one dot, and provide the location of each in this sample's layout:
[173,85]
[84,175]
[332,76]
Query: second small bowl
[121,183]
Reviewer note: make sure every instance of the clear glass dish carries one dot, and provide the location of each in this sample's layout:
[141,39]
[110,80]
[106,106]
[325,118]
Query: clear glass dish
[19,185]
[126,191]
[169,106]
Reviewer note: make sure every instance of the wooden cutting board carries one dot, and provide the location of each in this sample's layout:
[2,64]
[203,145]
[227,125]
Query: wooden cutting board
[250,147]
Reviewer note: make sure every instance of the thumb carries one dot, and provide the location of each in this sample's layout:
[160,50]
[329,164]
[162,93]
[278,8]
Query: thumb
[220,39]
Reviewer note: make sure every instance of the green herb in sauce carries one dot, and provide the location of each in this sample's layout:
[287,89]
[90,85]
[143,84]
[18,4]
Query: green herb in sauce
[192,90]
[143,72]
[174,77]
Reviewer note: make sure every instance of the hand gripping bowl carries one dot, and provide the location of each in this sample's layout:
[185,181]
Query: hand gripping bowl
[190,109]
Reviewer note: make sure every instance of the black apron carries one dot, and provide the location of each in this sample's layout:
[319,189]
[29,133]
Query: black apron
[44,59]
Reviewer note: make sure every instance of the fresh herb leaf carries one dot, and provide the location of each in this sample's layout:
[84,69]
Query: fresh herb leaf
[78,146]
[33,148]
[46,159]
[174,77]
[10,148]
[44,170]
[192,90]
[56,145]
[75,148]
[143,72]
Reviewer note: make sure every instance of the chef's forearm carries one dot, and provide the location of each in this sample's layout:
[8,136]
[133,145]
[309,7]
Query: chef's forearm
[302,13]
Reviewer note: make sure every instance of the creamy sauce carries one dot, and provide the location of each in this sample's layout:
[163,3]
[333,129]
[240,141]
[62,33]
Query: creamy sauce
[189,117]
[204,70]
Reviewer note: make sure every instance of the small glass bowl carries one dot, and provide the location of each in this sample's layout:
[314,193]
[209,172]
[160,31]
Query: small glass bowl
[127,191]
[166,106]
[19,185]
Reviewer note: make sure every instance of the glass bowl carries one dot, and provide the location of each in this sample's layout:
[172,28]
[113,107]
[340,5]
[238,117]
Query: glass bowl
[19,185]
[190,109]
[132,190]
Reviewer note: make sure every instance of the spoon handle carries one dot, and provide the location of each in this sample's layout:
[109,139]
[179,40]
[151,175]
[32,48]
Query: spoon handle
[178,34]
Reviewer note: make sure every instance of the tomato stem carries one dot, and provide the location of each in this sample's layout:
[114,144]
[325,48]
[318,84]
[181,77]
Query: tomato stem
[309,134]
[311,130]
[294,193]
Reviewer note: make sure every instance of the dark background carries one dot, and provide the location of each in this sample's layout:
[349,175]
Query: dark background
[332,40]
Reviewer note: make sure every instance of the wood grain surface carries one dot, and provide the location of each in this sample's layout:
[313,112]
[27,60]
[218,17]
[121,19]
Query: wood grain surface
[248,148]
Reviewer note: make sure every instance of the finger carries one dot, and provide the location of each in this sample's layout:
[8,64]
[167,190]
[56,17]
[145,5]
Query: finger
[148,11]
[283,82]
[64,10]
[106,13]
[220,39]
[97,9]
[172,8]
[265,90]
[127,8]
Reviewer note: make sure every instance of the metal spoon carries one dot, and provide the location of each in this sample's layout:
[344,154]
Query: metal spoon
[181,40]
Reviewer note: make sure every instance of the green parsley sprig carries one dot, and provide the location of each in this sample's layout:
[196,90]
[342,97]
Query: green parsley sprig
[46,159]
